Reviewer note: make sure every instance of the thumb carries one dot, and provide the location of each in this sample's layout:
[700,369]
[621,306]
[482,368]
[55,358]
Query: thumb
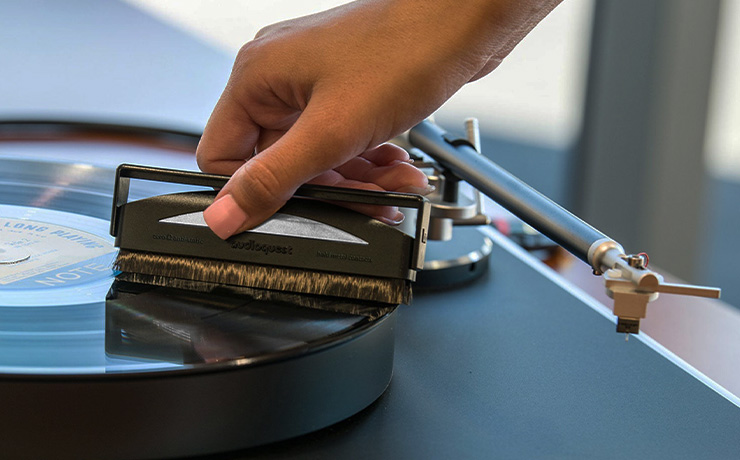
[264,183]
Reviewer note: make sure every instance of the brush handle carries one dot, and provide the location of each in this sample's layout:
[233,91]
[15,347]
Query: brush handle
[528,204]
[126,172]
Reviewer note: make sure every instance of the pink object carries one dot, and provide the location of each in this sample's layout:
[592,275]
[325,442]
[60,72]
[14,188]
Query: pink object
[225,217]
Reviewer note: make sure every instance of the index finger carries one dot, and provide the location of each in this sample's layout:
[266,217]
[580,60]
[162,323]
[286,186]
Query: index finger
[229,138]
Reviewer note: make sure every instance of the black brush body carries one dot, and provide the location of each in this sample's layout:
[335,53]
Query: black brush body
[308,247]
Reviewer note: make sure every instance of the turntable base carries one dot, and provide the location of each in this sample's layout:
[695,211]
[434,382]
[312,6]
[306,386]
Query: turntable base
[173,414]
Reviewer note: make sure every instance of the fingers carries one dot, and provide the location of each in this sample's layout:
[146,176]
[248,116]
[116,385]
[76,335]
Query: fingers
[385,154]
[229,138]
[388,214]
[287,159]
[359,172]
[392,177]
[487,68]
[262,185]
[257,183]
[267,138]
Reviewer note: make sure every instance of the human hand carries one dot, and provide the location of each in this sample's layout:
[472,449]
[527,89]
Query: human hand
[315,97]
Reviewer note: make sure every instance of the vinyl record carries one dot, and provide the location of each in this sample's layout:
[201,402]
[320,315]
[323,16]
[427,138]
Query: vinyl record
[90,368]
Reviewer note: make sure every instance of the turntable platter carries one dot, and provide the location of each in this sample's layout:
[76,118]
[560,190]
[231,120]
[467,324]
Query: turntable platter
[220,371]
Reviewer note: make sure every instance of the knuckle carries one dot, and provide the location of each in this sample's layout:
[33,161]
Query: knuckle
[240,62]
[409,169]
[263,31]
[204,163]
[245,51]
[264,185]
[274,29]
[246,56]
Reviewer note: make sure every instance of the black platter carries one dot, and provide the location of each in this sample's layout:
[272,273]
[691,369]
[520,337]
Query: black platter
[153,372]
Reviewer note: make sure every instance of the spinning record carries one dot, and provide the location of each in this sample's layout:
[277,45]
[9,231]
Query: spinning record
[92,368]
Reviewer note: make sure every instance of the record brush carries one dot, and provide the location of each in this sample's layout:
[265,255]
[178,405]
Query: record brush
[336,258]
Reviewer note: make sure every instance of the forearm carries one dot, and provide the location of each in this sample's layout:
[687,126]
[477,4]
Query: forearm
[427,49]
[472,32]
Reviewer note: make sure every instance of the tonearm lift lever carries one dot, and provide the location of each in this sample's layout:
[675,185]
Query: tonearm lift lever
[628,280]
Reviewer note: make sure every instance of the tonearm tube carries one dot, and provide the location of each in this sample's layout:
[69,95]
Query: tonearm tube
[628,280]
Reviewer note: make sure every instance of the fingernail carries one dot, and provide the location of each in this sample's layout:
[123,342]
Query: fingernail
[224,216]
[418,190]
[397,219]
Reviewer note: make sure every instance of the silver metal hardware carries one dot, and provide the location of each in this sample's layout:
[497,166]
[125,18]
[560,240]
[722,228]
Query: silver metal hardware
[454,256]
[472,132]
[636,260]
[597,254]
[631,294]
[10,255]
[445,213]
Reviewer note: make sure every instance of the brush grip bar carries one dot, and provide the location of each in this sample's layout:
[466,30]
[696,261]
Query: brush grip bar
[126,172]
[510,192]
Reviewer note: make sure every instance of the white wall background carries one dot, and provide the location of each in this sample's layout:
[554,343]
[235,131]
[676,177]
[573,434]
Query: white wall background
[723,125]
[534,96]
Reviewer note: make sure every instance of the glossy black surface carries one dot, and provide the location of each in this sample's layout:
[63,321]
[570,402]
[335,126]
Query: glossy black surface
[210,330]
[72,331]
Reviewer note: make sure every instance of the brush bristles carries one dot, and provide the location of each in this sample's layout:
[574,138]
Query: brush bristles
[386,290]
[368,309]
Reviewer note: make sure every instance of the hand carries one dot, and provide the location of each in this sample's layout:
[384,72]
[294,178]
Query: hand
[313,99]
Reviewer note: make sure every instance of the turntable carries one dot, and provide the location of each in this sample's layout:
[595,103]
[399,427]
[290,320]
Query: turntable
[487,369]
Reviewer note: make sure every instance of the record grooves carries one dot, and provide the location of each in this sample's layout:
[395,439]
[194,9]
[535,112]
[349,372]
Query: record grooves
[153,372]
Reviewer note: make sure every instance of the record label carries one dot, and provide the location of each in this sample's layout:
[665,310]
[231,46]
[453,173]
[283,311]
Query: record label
[39,254]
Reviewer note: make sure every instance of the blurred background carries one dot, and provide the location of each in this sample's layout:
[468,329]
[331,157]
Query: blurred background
[625,111]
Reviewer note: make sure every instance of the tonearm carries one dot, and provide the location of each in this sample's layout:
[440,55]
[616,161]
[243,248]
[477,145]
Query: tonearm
[628,280]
